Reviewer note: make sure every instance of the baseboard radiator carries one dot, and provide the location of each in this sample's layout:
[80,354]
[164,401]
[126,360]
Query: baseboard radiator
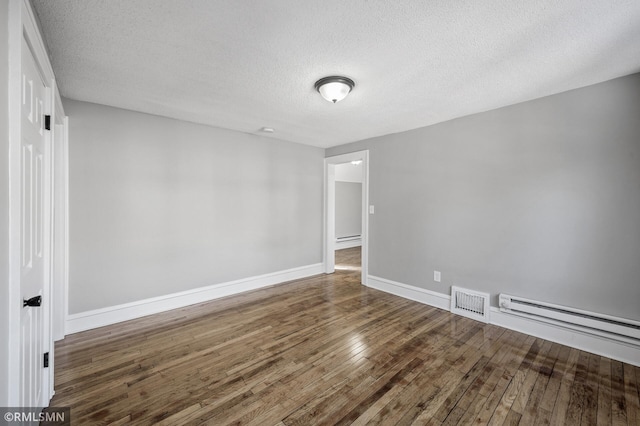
[348,238]
[348,242]
[620,329]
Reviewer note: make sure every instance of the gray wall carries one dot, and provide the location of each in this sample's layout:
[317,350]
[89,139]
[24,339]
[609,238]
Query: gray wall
[159,206]
[4,200]
[348,209]
[539,199]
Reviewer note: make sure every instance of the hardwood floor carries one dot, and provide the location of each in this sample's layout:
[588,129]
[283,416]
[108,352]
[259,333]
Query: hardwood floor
[349,259]
[326,350]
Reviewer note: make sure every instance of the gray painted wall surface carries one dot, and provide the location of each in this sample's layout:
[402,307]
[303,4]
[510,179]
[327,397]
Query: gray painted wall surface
[4,200]
[348,209]
[539,199]
[159,206]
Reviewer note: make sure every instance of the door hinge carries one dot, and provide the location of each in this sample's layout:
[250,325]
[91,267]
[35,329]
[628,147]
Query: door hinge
[46,360]
[47,122]
[34,301]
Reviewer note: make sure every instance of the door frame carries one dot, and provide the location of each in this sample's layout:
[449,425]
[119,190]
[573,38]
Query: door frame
[330,210]
[60,223]
[23,24]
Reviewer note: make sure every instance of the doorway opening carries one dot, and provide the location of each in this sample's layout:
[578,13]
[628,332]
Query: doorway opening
[349,259]
[347,232]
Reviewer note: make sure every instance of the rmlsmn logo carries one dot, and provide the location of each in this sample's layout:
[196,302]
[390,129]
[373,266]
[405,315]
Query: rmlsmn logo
[35,416]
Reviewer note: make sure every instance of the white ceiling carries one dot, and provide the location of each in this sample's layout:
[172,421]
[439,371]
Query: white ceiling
[247,64]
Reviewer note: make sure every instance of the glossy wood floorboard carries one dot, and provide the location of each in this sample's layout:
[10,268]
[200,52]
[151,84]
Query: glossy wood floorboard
[326,350]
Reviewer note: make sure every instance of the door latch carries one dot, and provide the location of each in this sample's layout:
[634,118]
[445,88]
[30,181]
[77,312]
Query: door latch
[34,301]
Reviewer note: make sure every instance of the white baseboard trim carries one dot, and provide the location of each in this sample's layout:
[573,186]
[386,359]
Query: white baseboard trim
[428,297]
[345,244]
[114,314]
[598,345]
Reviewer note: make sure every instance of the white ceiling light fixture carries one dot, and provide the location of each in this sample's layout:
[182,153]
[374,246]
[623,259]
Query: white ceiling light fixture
[334,88]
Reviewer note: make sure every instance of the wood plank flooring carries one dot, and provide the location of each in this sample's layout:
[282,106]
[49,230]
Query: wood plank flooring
[326,350]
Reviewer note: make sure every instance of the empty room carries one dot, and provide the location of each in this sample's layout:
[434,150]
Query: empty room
[313,213]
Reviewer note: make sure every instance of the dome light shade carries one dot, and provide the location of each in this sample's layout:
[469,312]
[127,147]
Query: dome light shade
[334,88]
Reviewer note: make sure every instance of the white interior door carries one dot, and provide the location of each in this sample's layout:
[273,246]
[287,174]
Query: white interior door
[32,235]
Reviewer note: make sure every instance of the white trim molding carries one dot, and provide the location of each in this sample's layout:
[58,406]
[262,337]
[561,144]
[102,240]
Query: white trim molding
[428,297]
[114,314]
[599,345]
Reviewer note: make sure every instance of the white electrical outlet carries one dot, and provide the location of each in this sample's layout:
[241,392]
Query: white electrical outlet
[436,276]
[372,210]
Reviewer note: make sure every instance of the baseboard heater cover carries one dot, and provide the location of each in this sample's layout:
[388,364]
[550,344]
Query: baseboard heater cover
[349,238]
[620,329]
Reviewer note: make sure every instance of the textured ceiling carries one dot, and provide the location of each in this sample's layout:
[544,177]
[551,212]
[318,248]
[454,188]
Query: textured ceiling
[247,64]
